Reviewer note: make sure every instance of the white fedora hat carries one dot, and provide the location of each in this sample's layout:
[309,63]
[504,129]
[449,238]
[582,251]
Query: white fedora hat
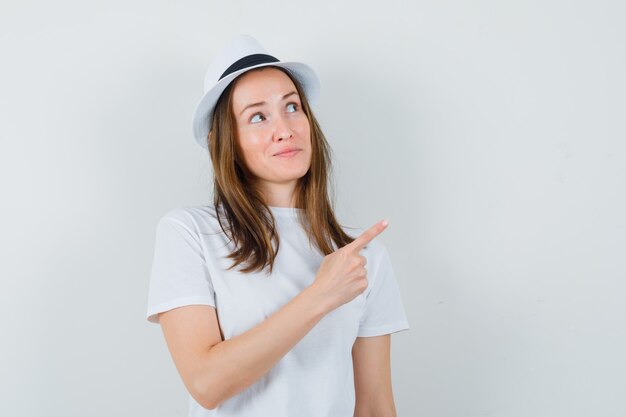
[243,53]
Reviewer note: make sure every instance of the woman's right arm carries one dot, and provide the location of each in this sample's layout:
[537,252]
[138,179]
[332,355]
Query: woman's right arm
[214,370]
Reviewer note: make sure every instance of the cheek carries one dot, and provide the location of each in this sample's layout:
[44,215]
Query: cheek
[253,149]
[251,139]
[304,131]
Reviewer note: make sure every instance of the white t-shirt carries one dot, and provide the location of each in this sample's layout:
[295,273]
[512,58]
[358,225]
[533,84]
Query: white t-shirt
[315,378]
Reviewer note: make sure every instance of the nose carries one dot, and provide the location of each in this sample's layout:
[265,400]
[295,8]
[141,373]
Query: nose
[282,130]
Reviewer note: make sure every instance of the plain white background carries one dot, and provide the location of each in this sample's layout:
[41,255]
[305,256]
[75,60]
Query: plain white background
[490,133]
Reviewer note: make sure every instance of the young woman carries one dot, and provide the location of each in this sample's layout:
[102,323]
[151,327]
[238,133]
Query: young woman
[265,301]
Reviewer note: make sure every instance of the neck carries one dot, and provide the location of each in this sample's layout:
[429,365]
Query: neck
[279,195]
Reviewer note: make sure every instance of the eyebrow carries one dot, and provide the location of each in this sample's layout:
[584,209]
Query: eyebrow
[263,102]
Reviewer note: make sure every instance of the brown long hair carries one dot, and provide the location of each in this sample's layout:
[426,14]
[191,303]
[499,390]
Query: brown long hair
[248,222]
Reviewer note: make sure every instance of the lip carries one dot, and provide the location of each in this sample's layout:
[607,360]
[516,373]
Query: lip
[288,152]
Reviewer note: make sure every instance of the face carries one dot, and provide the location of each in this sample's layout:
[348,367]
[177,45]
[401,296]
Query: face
[269,121]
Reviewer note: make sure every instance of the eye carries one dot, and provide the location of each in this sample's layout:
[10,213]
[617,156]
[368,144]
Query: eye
[292,105]
[257,117]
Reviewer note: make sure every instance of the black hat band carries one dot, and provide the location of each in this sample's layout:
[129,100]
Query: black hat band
[248,61]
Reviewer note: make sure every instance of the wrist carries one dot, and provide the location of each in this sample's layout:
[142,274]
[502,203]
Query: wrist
[319,302]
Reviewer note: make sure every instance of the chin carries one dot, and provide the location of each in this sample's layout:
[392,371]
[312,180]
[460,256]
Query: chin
[292,175]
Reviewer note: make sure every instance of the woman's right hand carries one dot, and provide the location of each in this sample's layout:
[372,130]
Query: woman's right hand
[342,275]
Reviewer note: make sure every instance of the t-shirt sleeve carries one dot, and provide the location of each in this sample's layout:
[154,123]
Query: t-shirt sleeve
[179,275]
[384,311]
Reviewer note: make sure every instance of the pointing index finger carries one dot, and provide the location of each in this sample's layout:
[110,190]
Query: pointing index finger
[367,236]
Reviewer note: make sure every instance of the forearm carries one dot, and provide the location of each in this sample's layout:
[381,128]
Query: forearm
[382,409]
[234,364]
[365,412]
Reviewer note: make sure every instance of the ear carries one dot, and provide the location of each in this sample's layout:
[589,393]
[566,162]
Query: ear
[209,137]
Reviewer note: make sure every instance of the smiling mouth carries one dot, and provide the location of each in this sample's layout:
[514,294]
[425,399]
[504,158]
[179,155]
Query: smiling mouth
[288,153]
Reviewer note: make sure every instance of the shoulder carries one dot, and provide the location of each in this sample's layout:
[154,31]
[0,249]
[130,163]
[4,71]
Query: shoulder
[194,218]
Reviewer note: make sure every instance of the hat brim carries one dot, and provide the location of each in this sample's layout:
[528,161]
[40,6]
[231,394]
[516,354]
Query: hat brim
[204,109]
